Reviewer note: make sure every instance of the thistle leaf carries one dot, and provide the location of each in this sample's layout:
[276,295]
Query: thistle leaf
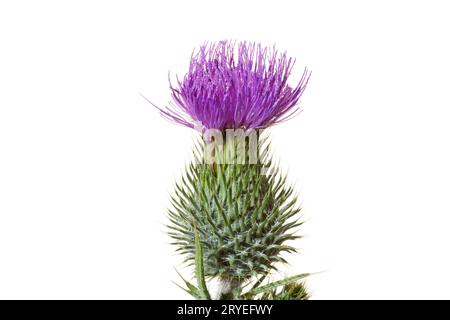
[199,269]
[291,291]
[253,292]
[191,289]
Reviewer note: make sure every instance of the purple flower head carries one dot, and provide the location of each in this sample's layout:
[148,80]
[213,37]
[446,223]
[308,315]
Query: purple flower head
[231,85]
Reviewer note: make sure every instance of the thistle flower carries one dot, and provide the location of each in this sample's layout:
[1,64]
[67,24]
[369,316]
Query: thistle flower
[229,85]
[233,218]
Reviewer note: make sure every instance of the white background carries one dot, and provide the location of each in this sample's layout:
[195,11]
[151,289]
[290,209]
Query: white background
[86,164]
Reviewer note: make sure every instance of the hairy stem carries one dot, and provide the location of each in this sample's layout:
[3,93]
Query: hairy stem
[226,288]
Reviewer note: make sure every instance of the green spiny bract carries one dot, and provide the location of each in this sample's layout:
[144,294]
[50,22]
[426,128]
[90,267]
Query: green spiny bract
[243,212]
